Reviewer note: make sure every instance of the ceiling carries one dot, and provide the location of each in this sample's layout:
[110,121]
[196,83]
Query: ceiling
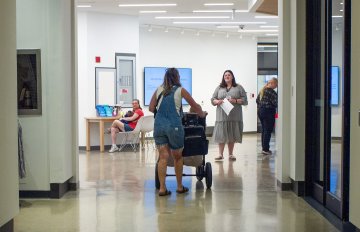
[238,20]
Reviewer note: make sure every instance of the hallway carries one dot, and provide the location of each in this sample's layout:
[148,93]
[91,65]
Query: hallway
[117,193]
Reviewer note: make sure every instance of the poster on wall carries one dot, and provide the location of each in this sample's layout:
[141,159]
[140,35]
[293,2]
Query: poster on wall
[29,82]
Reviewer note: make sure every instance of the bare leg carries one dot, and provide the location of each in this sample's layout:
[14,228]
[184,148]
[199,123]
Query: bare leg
[221,149]
[231,148]
[164,152]
[116,127]
[178,165]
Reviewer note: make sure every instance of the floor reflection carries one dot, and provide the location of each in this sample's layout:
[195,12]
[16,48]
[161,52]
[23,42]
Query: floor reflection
[117,193]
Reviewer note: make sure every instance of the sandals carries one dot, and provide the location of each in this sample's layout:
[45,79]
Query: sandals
[219,158]
[232,158]
[184,190]
[166,193]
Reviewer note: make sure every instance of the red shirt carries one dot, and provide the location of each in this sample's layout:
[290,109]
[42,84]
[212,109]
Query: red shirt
[139,112]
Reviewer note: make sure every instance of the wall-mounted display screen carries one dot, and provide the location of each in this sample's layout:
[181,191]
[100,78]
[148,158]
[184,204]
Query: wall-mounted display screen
[335,77]
[154,77]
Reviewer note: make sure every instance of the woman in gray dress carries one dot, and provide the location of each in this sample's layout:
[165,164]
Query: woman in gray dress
[228,128]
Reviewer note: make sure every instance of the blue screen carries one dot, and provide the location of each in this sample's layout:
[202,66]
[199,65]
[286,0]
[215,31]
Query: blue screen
[335,72]
[154,77]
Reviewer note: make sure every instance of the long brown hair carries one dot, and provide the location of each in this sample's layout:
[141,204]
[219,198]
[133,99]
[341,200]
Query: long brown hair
[171,78]
[223,83]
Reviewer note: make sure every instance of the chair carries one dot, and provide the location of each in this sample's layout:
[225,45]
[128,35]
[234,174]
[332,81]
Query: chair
[144,125]
[147,126]
[131,137]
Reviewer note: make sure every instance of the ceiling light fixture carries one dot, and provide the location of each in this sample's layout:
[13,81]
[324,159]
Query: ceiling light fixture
[198,33]
[266,17]
[219,11]
[265,26]
[166,29]
[182,31]
[150,28]
[192,17]
[337,16]
[84,6]
[240,36]
[147,5]
[270,34]
[152,11]
[218,4]
[219,23]
[227,35]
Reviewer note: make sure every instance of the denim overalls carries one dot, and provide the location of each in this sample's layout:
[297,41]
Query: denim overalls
[168,128]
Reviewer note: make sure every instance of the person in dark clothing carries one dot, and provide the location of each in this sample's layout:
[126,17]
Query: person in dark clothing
[267,104]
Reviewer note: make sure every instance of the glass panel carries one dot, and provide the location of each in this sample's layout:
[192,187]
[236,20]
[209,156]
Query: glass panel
[125,89]
[336,99]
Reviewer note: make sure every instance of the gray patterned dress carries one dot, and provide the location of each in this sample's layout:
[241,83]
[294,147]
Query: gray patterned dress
[229,128]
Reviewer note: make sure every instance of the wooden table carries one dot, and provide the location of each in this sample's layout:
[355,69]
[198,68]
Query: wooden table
[101,121]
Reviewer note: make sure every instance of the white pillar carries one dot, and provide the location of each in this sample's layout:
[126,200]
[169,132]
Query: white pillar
[9,180]
[284,93]
[354,115]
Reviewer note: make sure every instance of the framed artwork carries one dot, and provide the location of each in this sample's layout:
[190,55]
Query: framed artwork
[105,86]
[29,82]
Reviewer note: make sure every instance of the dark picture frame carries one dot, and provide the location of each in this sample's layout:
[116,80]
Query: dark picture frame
[29,99]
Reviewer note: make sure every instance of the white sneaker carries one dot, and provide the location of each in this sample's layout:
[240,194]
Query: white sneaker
[113,148]
[267,152]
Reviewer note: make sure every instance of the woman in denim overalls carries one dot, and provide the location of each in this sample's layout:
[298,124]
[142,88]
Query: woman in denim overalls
[168,129]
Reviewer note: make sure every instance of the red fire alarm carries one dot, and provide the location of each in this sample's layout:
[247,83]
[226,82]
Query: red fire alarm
[97,59]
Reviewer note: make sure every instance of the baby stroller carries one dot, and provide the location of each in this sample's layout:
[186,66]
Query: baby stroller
[195,148]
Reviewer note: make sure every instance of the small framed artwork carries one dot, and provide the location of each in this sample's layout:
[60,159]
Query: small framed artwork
[29,82]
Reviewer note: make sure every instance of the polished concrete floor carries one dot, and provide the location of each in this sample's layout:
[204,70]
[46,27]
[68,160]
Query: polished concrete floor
[117,193]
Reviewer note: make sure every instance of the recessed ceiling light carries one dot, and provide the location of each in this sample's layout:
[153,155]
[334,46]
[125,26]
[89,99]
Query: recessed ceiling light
[218,4]
[266,17]
[219,11]
[219,23]
[152,11]
[341,3]
[272,34]
[84,6]
[337,16]
[146,5]
[341,10]
[192,17]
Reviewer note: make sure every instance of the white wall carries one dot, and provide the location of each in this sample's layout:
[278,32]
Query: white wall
[46,25]
[101,35]
[9,197]
[354,111]
[208,57]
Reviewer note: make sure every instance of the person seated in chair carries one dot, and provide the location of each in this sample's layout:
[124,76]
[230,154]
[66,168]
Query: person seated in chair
[125,124]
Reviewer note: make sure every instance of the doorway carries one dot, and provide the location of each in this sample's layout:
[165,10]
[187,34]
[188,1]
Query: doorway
[328,104]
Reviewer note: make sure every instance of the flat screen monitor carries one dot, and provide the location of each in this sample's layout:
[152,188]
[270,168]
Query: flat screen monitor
[335,78]
[154,77]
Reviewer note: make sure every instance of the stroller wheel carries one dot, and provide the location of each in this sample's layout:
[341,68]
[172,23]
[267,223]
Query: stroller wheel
[208,175]
[157,182]
[200,172]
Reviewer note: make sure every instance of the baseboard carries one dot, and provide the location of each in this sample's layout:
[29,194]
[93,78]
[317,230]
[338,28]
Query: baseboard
[57,190]
[8,227]
[283,186]
[298,187]
[74,186]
